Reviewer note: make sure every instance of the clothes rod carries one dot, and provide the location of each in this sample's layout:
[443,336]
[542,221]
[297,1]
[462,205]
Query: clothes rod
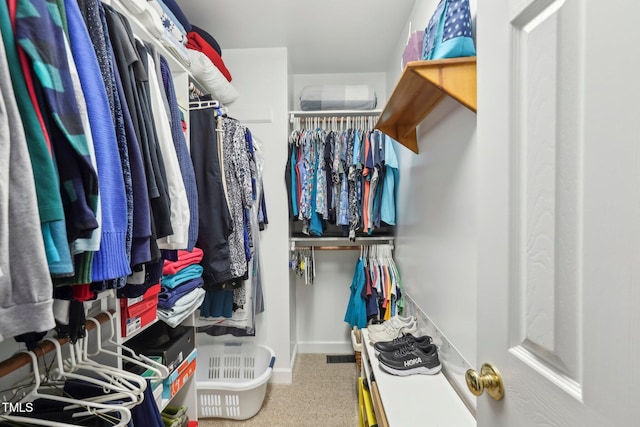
[329,118]
[19,360]
[328,248]
[334,244]
[335,113]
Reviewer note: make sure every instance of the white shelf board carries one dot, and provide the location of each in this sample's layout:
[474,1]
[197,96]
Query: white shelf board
[331,113]
[425,400]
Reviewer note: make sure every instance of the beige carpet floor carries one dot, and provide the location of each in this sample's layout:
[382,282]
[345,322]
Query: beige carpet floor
[322,394]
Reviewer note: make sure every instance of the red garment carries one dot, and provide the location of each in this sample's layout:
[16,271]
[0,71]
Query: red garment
[83,292]
[196,42]
[185,259]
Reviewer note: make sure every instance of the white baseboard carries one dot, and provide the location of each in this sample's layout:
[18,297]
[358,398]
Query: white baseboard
[282,376]
[285,375]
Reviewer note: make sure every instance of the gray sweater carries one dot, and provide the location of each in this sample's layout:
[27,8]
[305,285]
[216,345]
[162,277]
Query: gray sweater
[26,290]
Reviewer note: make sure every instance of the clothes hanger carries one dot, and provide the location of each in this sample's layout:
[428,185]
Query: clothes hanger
[121,379]
[92,407]
[160,371]
[80,360]
[60,373]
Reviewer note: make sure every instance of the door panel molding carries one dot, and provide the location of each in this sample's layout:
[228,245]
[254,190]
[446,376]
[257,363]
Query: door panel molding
[546,207]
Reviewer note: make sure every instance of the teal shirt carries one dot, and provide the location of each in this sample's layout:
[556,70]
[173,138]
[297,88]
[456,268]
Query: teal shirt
[44,170]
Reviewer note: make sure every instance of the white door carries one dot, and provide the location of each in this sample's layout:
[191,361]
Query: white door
[559,211]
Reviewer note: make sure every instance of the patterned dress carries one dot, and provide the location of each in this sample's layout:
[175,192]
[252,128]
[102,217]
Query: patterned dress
[238,177]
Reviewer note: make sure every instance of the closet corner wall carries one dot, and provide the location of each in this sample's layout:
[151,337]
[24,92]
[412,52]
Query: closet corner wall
[263,105]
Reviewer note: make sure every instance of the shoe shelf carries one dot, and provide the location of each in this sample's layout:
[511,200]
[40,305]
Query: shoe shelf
[422,85]
[426,400]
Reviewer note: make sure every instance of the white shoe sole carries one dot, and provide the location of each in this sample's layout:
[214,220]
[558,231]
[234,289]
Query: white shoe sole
[421,370]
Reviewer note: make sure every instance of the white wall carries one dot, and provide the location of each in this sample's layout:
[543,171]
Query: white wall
[262,106]
[436,241]
[320,308]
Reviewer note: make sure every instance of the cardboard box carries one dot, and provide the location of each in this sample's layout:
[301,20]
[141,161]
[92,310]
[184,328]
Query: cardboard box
[170,345]
[178,378]
[138,315]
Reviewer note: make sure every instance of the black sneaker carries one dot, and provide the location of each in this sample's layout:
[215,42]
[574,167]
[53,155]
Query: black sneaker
[396,344]
[411,360]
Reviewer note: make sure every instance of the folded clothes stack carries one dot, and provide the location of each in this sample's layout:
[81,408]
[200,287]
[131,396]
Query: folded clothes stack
[175,416]
[160,24]
[181,287]
[193,46]
[174,36]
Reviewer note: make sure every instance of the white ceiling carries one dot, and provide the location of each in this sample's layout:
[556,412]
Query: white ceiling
[323,36]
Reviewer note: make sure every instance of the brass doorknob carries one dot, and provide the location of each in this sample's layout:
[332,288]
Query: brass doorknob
[489,379]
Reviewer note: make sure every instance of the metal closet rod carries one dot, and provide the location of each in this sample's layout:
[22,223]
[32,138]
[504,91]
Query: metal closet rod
[328,248]
[19,360]
[338,243]
[338,119]
[328,114]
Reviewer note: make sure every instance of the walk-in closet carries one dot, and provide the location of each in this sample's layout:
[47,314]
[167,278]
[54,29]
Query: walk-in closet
[318,213]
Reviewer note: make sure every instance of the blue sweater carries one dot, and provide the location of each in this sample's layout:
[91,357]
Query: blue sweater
[110,261]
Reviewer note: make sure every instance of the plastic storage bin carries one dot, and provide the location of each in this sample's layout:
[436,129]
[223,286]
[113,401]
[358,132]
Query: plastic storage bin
[231,379]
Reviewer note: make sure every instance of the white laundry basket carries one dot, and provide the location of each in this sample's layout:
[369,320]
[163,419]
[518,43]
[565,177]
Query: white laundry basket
[231,379]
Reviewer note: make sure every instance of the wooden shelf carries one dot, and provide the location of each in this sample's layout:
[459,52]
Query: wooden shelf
[422,85]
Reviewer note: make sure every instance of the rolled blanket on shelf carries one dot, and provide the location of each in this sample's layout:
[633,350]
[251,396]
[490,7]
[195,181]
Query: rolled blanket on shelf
[338,97]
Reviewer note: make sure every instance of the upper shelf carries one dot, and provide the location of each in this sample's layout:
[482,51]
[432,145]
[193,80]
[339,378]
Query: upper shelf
[330,113]
[422,85]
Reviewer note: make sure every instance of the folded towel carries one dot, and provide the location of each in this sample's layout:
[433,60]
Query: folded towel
[147,15]
[169,25]
[177,12]
[187,273]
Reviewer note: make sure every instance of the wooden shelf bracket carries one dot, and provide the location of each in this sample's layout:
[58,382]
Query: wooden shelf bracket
[422,85]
